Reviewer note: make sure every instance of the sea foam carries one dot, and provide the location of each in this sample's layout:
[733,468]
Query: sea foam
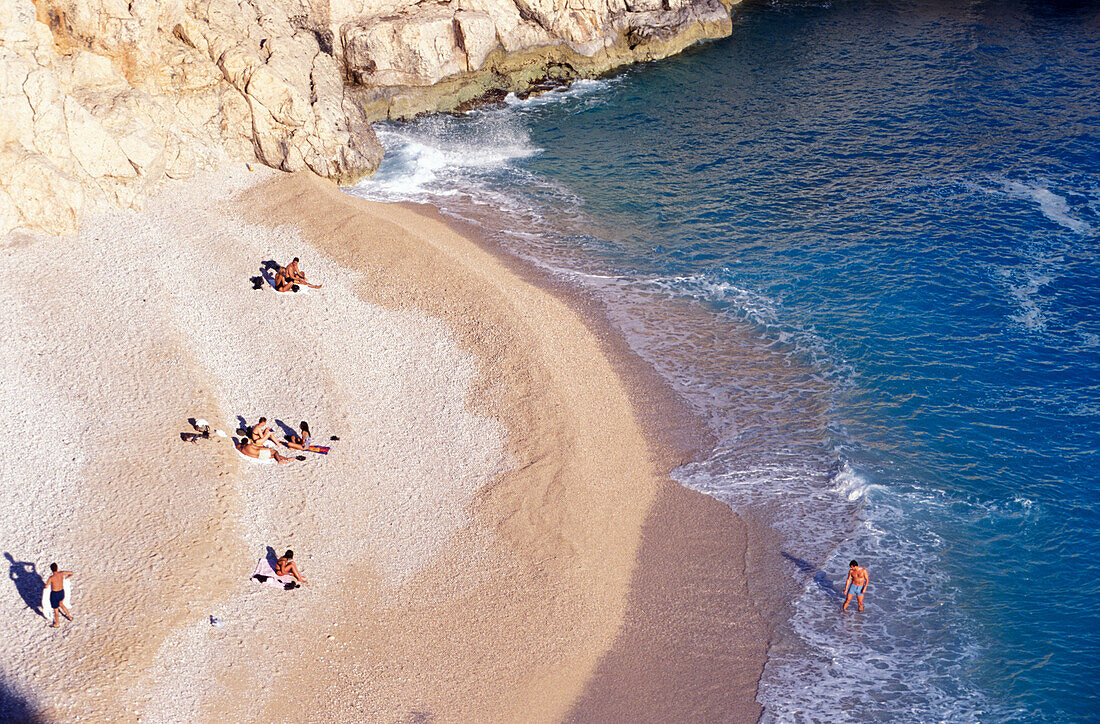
[1052,206]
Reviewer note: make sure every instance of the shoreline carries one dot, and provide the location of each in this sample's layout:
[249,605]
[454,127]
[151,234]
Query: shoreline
[472,544]
[675,430]
[684,530]
[682,438]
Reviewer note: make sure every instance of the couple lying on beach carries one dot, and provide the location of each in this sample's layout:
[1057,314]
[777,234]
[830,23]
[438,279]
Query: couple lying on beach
[287,278]
[253,445]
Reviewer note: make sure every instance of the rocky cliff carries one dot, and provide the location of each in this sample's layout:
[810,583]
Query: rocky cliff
[101,100]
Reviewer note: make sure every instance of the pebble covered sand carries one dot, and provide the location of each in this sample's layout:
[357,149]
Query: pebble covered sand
[493,536]
[113,339]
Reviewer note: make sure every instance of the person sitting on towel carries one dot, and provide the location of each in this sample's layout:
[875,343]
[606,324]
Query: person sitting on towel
[294,274]
[262,431]
[299,442]
[283,283]
[286,566]
[252,450]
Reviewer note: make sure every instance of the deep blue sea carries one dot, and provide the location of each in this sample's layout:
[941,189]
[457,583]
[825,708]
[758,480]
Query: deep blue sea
[862,240]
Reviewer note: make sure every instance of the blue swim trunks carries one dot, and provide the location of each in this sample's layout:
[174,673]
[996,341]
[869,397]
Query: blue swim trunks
[855,590]
[56,597]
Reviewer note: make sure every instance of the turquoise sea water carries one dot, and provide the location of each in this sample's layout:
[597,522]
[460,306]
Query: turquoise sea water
[861,240]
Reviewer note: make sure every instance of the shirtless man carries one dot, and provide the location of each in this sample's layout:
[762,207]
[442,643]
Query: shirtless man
[856,585]
[294,274]
[56,582]
[286,566]
[252,450]
[262,431]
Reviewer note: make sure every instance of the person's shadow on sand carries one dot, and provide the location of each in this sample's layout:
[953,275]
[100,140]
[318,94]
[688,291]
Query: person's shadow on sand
[268,270]
[819,576]
[288,431]
[27,582]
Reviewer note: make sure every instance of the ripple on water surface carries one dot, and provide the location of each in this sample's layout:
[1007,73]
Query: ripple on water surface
[864,250]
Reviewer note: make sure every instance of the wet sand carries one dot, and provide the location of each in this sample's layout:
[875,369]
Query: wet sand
[494,536]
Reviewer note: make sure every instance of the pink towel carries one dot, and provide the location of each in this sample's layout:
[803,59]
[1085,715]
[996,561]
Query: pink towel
[263,568]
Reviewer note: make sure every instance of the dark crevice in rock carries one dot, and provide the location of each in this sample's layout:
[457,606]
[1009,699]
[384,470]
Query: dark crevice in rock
[492,97]
[321,32]
[529,14]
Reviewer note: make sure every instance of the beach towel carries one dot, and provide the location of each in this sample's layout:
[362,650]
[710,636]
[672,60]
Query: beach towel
[321,449]
[265,576]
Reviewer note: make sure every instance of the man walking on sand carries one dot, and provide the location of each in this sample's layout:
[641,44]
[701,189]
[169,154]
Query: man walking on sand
[56,582]
[856,585]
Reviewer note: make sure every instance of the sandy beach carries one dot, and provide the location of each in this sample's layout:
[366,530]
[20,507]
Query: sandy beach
[494,535]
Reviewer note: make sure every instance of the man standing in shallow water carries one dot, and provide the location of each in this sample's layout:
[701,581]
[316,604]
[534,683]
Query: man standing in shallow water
[856,585]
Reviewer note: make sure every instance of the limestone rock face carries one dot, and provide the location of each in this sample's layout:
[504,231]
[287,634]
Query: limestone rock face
[477,37]
[101,100]
[393,52]
[419,48]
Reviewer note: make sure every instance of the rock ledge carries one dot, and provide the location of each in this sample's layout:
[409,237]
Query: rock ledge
[102,100]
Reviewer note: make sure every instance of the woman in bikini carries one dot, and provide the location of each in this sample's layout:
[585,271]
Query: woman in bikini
[300,441]
[261,431]
[284,283]
[285,566]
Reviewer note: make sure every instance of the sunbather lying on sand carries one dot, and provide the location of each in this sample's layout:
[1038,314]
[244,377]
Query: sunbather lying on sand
[294,274]
[252,450]
[299,442]
[286,566]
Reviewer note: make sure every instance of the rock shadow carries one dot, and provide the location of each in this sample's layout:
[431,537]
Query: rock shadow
[15,709]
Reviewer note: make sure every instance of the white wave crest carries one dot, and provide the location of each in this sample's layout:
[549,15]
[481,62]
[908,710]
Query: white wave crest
[576,89]
[429,157]
[1027,293]
[850,485]
[755,307]
[1052,206]
[445,155]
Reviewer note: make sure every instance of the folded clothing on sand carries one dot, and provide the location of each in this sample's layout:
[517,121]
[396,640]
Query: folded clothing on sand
[265,576]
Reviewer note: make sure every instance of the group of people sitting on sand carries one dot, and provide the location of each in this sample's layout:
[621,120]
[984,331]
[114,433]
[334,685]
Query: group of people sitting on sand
[287,278]
[253,446]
